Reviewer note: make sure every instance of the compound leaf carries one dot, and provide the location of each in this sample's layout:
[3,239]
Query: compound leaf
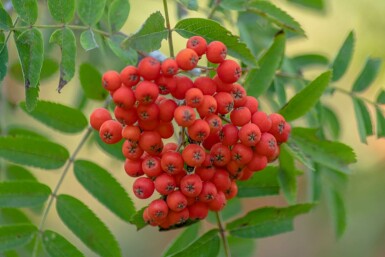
[118,13]
[58,116]
[15,236]
[57,246]
[367,75]
[183,240]
[364,122]
[26,9]
[104,187]
[259,79]
[87,226]
[16,194]
[303,101]
[62,10]
[65,38]
[150,36]
[267,221]
[90,11]
[211,31]
[88,41]
[262,183]
[17,173]
[343,58]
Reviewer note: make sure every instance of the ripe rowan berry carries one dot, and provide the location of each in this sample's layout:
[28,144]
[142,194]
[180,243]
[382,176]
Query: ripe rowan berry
[187,59]
[98,117]
[124,97]
[191,185]
[165,129]
[130,76]
[146,92]
[198,44]
[205,173]
[165,84]
[194,97]
[111,80]
[165,184]
[131,150]
[208,193]
[211,140]
[232,191]
[184,116]
[111,132]
[158,210]
[172,162]
[166,110]
[221,86]
[133,168]
[252,104]
[262,120]
[148,125]
[131,133]
[193,155]
[241,154]
[176,201]
[239,95]
[225,102]
[216,52]
[246,174]
[221,154]
[151,166]
[183,84]
[177,218]
[143,188]
[240,116]
[151,142]
[149,68]
[267,145]
[169,67]
[229,134]
[249,134]
[208,106]
[257,163]
[126,117]
[206,85]
[229,71]
[214,122]
[199,130]
[198,211]
[221,180]
[218,203]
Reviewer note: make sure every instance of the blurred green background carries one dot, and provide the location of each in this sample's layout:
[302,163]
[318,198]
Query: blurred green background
[313,235]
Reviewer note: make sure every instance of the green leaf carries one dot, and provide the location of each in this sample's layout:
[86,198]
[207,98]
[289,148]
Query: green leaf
[274,14]
[137,219]
[33,152]
[114,150]
[183,240]
[367,75]
[237,5]
[49,68]
[31,97]
[104,187]
[317,5]
[338,212]
[91,81]
[15,236]
[287,175]
[334,155]
[211,31]
[381,97]
[57,246]
[309,60]
[3,58]
[206,245]
[150,36]
[343,58]
[62,10]
[15,172]
[65,38]
[129,56]
[364,122]
[5,20]
[117,14]
[58,116]
[18,131]
[330,121]
[279,88]
[23,194]
[380,123]
[262,183]
[190,4]
[232,208]
[31,54]
[299,155]
[303,101]
[26,9]
[10,254]
[267,221]
[88,41]
[10,216]
[244,247]
[90,11]
[87,226]
[259,79]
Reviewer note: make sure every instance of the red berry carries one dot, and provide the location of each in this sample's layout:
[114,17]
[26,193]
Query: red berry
[221,180]
[267,145]
[130,76]
[208,106]
[218,203]
[98,117]
[249,134]
[111,80]
[199,130]
[262,120]
[124,97]
[166,110]
[169,67]
[143,188]
[165,184]
[176,201]
[221,154]
[131,150]
[206,85]
[240,116]
[183,84]
[194,97]
[126,117]
[198,44]
[193,155]
[149,68]
[198,211]
[111,132]
[172,162]
[151,166]
[225,102]
[257,163]
[191,185]
[229,134]
[241,153]
[208,193]
[229,71]
[158,210]
[184,115]
[187,59]
[131,133]
[146,92]
[133,168]
[216,52]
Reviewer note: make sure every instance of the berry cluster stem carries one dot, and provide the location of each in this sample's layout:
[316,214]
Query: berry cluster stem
[222,232]
[170,44]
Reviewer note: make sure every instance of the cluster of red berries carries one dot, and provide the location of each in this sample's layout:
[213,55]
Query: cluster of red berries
[223,136]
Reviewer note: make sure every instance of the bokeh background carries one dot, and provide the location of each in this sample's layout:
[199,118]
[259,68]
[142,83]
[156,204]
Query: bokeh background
[313,235]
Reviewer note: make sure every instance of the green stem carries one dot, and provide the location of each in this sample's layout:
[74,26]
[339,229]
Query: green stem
[214,9]
[170,44]
[58,185]
[222,232]
[60,26]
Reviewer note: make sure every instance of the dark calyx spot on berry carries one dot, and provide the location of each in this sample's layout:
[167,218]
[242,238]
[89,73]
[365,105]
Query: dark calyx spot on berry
[195,42]
[187,116]
[159,214]
[107,135]
[237,94]
[201,135]
[252,137]
[281,127]
[170,168]
[219,157]
[212,109]
[237,72]
[229,106]
[170,187]
[189,169]
[271,143]
[194,60]
[150,163]
[190,187]
[147,99]
[170,70]
[196,100]
[144,115]
[237,157]
[181,205]
[223,53]
[197,155]
[209,196]
[139,191]
[133,77]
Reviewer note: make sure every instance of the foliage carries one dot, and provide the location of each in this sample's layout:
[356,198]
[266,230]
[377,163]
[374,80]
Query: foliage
[98,27]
